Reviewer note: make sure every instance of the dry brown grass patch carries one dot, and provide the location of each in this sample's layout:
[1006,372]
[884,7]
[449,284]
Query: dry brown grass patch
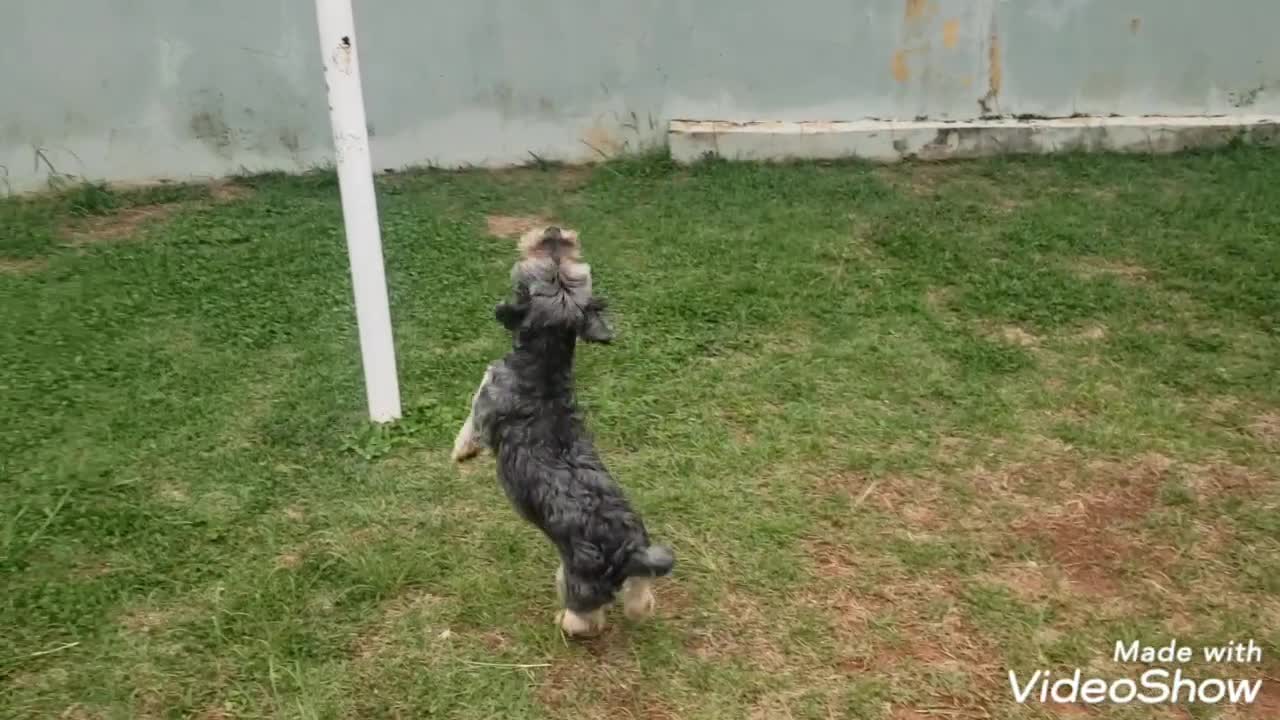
[513,226]
[918,501]
[1091,268]
[1219,477]
[289,560]
[601,681]
[374,640]
[927,180]
[939,299]
[214,712]
[147,621]
[831,559]
[120,225]
[1028,581]
[921,641]
[920,179]
[1266,428]
[22,266]
[952,647]
[750,635]
[495,641]
[1092,333]
[79,712]
[226,192]
[573,177]
[1017,336]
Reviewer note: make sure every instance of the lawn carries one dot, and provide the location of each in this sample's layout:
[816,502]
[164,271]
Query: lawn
[908,429]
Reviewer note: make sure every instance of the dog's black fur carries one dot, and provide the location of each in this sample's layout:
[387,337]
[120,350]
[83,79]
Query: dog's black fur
[527,414]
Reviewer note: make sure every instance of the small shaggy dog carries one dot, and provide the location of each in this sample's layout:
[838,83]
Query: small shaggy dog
[526,413]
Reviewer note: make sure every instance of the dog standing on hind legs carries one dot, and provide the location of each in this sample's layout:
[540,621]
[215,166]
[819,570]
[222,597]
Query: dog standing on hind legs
[525,411]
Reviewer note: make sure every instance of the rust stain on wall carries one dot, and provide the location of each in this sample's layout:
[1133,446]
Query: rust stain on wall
[951,33]
[917,10]
[901,72]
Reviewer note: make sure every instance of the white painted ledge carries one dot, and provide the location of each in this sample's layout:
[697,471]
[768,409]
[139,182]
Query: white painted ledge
[891,141]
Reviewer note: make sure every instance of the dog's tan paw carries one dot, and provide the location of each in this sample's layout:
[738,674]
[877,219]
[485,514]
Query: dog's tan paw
[638,601]
[463,454]
[581,625]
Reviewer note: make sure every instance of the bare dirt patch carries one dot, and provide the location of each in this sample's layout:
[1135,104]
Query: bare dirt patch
[1088,533]
[513,226]
[1267,704]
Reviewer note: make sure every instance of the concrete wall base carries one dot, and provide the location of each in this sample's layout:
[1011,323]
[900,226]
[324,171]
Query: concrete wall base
[891,141]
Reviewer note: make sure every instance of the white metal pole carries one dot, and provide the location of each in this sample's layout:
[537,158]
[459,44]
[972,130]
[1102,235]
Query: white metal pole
[359,206]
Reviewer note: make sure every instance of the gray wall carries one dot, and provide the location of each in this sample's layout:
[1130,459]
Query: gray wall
[140,89]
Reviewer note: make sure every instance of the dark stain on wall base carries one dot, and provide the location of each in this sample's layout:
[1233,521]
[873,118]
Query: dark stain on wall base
[289,139]
[212,129]
[989,104]
[1245,98]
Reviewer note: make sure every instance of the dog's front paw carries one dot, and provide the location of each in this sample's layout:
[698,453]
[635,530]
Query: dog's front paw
[464,453]
[581,625]
[465,446]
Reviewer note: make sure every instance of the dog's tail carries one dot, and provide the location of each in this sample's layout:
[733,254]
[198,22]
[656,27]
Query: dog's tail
[653,561]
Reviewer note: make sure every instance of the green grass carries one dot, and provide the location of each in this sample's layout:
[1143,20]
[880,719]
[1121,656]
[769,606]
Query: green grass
[908,428]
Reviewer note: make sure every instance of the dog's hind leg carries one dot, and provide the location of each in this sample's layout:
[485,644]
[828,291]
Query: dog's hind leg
[561,591]
[468,443]
[637,598]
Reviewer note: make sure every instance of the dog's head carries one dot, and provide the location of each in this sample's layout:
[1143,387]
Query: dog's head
[552,288]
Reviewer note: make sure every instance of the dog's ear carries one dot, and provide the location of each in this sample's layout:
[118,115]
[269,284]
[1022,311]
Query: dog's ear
[595,326]
[511,315]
